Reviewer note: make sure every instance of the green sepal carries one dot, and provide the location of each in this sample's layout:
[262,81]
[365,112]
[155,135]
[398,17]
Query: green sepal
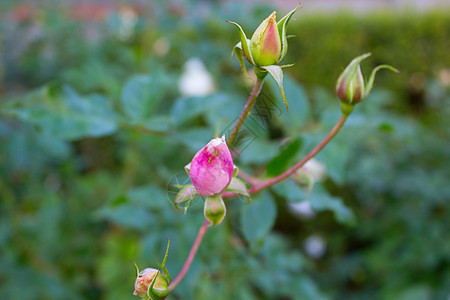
[235,170]
[237,186]
[187,168]
[287,66]
[282,25]
[187,193]
[237,50]
[214,210]
[372,78]
[277,74]
[166,273]
[244,43]
[347,108]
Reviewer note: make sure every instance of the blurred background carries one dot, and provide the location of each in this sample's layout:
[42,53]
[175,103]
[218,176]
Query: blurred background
[102,103]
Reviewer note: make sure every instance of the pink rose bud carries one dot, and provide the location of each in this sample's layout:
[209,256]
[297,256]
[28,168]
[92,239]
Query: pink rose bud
[265,44]
[350,87]
[212,168]
[143,283]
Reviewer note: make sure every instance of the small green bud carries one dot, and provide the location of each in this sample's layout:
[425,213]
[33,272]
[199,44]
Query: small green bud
[265,44]
[214,210]
[350,87]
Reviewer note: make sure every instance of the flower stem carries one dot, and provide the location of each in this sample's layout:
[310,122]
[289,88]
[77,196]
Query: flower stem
[191,256]
[201,233]
[246,111]
[289,172]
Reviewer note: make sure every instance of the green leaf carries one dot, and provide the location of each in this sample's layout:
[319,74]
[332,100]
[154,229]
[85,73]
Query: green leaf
[237,50]
[321,201]
[140,96]
[280,163]
[282,26]
[299,109]
[245,46]
[62,113]
[258,217]
[257,151]
[277,74]
[290,191]
[238,186]
[186,109]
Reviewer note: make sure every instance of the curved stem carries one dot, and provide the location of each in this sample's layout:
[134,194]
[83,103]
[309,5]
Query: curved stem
[191,256]
[289,172]
[246,111]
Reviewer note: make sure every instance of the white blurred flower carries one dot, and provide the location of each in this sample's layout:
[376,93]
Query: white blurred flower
[128,20]
[302,209]
[315,169]
[195,80]
[161,46]
[315,246]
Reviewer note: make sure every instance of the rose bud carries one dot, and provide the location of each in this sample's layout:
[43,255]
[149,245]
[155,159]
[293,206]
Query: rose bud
[265,44]
[267,47]
[143,285]
[211,169]
[350,88]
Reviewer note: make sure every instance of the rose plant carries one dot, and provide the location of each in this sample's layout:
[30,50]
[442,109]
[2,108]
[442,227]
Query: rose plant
[214,177]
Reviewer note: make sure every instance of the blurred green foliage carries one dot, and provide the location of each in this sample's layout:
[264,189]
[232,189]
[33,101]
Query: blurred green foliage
[93,130]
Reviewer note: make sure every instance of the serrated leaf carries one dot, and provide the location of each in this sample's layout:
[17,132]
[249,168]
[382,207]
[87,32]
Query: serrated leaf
[238,186]
[277,74]
[258,217]
[62,113]
[140,96]
[281,162]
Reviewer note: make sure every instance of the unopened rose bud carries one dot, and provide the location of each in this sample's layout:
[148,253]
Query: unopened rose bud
[265,44]
[143,288]
[350,87]
[211,169]
[268,44]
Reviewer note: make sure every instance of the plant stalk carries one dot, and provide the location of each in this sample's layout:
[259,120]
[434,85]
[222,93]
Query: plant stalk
[191,256]
[289,172]
[246,111]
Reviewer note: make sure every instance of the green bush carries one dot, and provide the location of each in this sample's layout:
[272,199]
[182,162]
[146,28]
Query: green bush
[92,135]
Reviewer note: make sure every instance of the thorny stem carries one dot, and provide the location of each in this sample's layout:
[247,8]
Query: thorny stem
[289,172]
[191,256]
[246,111]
